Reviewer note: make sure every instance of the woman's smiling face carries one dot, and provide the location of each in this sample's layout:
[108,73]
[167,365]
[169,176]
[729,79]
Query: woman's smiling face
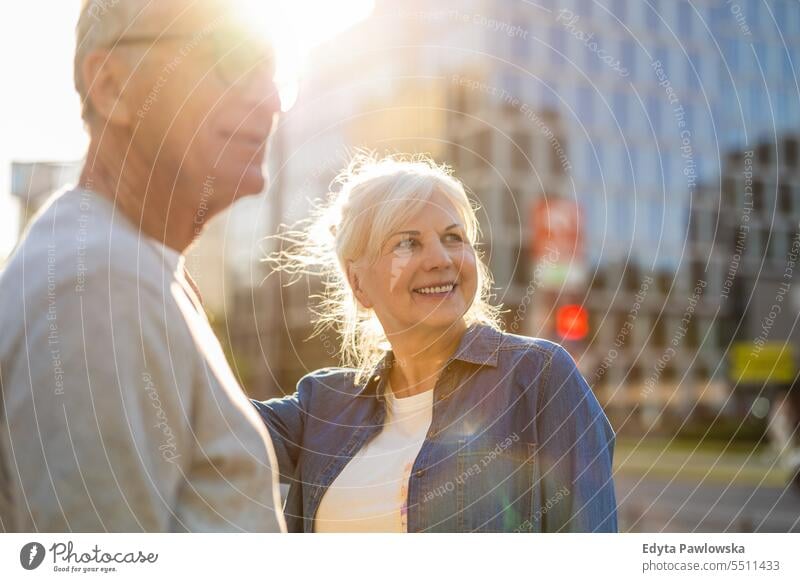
[425,275]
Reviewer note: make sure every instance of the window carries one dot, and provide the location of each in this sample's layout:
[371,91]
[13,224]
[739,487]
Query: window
[692,79]
[519,150]
[521,274]
[659,337]
[764,153]
[558,45]
[791,150]
[783,106]
[690,117]
[590,162]
[729,197]
[585,106]
[547,94]
[664,281]
[598,283]
[655,218]
[702,373]
[585,9]
[753,12]
[653,104]
[730,50]
[691,333]
[623,219]
[619,106]
[664,173]
[651,17]
[619,9]
[461,99]
[792,241]
[520,43]
[662,55]
[781,16]
[632,278]
[771,252]
[685,17]
[558,158]
[763,54]
[628,56]
[593,62]
[784,198]
[482,145]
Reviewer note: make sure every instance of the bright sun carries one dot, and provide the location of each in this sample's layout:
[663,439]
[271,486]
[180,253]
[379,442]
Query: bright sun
[296,27]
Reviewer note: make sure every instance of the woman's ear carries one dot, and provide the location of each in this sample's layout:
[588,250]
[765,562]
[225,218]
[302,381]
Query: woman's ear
[354,278]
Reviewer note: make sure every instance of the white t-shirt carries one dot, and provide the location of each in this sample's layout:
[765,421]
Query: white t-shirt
[371,492]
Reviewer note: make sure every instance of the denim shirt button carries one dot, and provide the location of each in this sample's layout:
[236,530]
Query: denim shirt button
[419,473]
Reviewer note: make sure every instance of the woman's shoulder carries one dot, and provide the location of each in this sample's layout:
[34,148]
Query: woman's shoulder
[514,342]
[332,381]
[536,351]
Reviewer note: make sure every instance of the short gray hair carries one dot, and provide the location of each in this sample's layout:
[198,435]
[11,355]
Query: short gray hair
[101,23]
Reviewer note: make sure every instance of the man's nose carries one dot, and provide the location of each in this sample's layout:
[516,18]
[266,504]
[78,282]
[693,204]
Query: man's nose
[260,90]
[260,101]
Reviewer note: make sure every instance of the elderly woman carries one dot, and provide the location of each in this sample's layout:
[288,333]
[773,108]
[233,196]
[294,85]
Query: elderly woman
[440,422]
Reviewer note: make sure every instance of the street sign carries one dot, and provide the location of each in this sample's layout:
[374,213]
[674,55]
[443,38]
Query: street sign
[773,362]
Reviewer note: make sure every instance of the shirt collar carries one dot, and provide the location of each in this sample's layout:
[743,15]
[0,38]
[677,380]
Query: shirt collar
[479,345]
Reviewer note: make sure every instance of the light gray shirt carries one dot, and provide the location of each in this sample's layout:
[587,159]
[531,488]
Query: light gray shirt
[119,410]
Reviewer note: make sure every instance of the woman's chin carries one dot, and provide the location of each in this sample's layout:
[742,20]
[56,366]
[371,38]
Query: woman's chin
[444,319]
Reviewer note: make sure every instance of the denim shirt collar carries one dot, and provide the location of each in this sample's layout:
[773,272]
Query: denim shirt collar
[479,345]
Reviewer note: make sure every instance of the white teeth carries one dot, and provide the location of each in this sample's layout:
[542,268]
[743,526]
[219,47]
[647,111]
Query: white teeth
[440,289]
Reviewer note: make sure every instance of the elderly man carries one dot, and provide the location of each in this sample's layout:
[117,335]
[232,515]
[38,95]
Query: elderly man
[119,411]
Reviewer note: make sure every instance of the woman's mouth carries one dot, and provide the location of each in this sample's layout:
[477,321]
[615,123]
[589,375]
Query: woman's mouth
[440,290]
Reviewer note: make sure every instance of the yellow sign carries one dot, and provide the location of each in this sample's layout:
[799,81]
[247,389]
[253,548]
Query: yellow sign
[753,362]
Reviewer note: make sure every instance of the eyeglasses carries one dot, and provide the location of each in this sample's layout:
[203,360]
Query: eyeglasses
[237,57]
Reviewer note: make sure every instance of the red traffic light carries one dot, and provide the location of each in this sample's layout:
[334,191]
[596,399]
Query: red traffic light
[572,322]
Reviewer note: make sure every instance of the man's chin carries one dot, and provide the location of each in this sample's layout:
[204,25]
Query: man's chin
[252,185]
[248,183]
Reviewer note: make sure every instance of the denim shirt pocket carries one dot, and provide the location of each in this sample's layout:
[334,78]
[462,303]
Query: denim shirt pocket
[496,484]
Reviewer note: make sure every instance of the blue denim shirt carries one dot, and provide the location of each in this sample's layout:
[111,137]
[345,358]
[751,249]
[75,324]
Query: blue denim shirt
[517,442]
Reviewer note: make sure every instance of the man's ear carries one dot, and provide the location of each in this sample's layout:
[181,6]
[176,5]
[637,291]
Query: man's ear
[105,75]
[355,285]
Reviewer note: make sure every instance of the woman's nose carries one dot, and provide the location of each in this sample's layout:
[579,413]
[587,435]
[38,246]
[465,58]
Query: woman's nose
[437,257]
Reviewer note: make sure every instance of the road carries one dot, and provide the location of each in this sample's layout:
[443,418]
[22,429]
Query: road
[654,504]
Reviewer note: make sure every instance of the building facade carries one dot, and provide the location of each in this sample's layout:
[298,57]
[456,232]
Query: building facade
[626,109]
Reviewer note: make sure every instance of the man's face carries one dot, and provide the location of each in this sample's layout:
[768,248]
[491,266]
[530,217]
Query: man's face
[205,103]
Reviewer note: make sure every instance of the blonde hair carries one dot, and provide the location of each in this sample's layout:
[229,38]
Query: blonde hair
[374,197]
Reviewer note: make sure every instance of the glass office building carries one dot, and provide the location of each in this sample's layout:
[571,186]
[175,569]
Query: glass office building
[627,107]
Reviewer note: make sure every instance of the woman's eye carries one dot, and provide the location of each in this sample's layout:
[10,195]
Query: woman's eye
[406,244]
[453,237]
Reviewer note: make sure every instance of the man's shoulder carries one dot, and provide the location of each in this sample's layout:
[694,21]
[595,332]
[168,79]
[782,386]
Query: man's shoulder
[75,261]
[76,240]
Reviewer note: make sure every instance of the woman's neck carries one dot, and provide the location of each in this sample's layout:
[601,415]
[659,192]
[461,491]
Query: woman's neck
[419,357]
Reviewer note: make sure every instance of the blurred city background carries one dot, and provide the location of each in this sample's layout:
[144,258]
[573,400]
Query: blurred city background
[637,166]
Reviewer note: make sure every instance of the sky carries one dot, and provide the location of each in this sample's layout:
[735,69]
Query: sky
[40,111]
